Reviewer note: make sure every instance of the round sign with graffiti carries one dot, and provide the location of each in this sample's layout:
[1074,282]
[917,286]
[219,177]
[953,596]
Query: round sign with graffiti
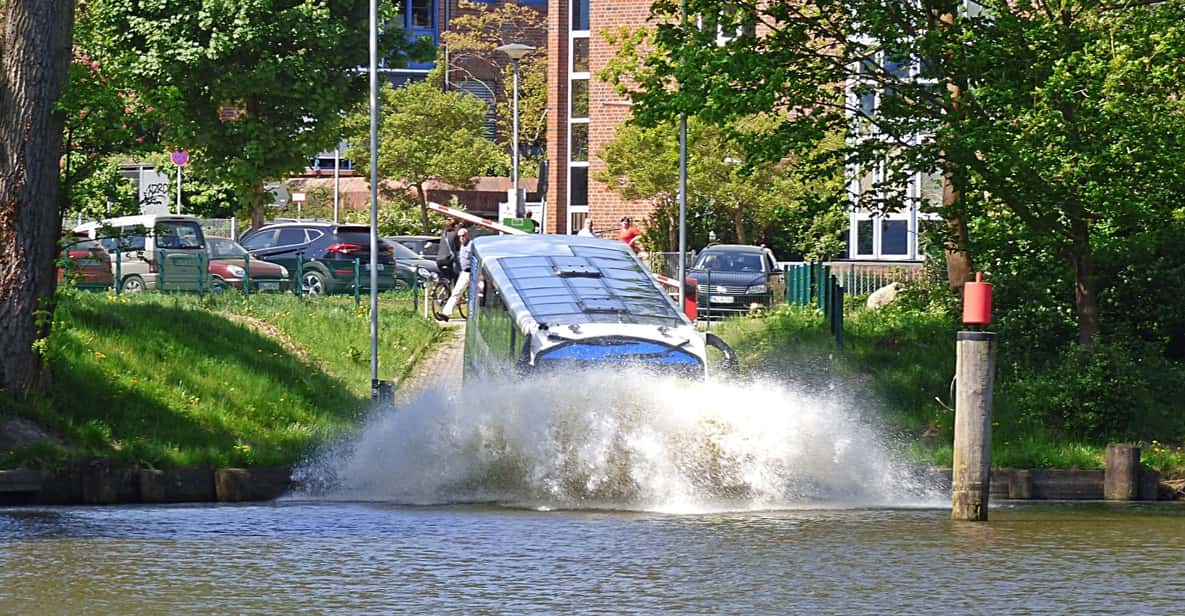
[179,157]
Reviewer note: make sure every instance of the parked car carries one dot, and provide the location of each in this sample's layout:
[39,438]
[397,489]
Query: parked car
[85,264]
[740,278]
[153,248]
[229,264]
[406,257]
[423,245]
[325,252]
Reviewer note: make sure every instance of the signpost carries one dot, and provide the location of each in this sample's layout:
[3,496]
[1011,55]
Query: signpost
[179,158]
[298,198]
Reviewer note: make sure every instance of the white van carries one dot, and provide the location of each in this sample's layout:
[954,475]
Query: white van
[156,251]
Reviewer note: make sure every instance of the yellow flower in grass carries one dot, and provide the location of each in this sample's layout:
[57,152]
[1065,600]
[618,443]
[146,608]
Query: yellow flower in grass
[100,355]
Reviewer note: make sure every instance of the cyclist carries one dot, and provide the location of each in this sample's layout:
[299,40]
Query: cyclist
[447,254]
[462,282]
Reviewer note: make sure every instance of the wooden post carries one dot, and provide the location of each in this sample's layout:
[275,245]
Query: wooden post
[1121,480]
[971,477]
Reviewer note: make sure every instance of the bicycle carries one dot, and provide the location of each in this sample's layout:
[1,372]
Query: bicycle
[438,297]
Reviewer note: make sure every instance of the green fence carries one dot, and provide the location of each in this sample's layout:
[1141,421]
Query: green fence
[813,284]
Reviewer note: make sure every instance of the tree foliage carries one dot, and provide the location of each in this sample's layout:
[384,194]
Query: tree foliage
[766,202]
[1064,114]
[426,134]
[472,42]
[252,88]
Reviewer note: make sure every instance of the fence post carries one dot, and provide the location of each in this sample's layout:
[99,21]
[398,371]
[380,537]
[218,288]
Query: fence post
[708,316]
[246,275]
[300,274]
[839,319]
[356,296]
[202,269]
[163,258]
[786,280]
[118,267]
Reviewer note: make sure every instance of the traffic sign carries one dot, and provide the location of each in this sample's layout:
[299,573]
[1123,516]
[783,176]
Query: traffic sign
[298,197]
[179,157]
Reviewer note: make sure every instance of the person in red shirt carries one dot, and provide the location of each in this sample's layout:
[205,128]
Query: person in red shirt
[629,233]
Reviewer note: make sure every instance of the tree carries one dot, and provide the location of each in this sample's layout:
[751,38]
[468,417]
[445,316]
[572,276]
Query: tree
[253,88]
[472,42]
[34,57]
[426,134]
[769,202]
[1062,113]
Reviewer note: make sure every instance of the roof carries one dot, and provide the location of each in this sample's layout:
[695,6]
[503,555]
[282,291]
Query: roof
[552,280]
[735,247]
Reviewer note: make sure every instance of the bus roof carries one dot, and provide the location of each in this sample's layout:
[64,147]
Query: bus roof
[560,280]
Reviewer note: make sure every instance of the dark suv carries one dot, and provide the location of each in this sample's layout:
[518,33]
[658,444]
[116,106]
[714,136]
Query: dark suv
[328,251]
[732,278]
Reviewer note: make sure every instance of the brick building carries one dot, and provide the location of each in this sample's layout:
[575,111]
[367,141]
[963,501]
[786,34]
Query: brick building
[584,112]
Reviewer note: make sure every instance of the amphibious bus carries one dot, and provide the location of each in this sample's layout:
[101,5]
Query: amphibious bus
[542,302]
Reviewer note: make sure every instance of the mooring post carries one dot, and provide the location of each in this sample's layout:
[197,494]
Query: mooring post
[974,373]
[1121,479]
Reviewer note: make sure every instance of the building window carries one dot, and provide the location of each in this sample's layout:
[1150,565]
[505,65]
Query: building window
[421,13]
[579,98]
[578,187]
[580,141]
[895,237]
[577,214]
[864,238]
[580,15]
[580,55]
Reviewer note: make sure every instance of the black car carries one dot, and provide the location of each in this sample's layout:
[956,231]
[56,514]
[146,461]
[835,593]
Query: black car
[329,251]
[425,267]
[732,278]
[423,245]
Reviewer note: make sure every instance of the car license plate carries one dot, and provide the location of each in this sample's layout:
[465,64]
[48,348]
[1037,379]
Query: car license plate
[379,268]
[84,262]
[722,299]
[269,286]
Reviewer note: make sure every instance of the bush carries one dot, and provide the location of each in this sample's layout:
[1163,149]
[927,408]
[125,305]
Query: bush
[1105,392]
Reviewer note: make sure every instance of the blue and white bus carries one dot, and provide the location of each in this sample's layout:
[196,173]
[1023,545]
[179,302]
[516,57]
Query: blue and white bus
[544,302]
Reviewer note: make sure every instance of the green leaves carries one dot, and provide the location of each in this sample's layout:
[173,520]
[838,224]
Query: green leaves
[426,134]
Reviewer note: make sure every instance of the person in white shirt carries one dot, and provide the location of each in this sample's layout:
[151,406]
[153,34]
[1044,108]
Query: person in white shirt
[587,229]
[462,276]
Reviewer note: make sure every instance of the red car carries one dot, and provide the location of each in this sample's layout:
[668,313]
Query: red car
[226,267]
[85,264]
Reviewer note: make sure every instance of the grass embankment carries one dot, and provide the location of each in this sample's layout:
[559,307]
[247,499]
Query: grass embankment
[173,380]
[906,361]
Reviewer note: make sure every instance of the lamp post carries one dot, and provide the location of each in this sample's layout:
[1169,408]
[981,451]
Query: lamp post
[515,51]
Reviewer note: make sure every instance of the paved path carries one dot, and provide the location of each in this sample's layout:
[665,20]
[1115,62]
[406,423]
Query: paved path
[441,365]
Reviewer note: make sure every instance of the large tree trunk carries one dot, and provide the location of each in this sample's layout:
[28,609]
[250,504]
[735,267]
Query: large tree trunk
[258,219]
[1086,297]
[738,221]
[34,57]
[958,259]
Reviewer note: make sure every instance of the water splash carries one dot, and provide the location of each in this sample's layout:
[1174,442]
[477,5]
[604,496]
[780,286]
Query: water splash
[620,442]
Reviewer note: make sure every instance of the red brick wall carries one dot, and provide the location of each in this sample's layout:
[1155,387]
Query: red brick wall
[557,116]
[606,110]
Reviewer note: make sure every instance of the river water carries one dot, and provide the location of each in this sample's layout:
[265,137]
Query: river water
[604,495]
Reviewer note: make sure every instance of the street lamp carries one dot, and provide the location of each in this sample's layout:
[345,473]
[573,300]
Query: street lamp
[515,51]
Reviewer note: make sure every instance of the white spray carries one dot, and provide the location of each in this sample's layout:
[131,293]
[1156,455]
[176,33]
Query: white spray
[618,441]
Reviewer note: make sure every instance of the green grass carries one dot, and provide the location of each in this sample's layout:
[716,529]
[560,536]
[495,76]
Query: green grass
[172,380]
[906,359]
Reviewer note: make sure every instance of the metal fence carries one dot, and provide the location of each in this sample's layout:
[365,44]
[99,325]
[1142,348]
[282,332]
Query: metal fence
[666,263]
[220,227]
